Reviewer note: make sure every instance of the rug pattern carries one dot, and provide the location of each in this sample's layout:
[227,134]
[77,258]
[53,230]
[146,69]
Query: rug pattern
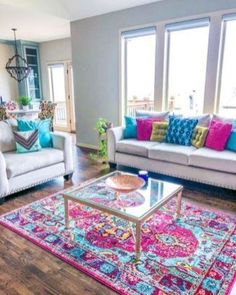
[195,254]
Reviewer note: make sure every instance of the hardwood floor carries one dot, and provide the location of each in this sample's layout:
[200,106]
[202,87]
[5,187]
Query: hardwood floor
[27,269]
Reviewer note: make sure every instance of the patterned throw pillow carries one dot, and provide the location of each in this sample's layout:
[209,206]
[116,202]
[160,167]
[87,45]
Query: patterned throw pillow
[43,126]
[180,130]
[159,131]
[27,141]
[199,136]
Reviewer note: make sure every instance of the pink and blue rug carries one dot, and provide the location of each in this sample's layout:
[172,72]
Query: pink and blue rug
[193,255]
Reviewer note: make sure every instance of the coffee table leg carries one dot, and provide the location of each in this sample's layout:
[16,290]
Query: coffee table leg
[138,241]
[66,212]
[178,208]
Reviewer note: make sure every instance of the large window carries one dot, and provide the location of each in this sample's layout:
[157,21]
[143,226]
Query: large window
[227,102]
[139,69]
[187,45]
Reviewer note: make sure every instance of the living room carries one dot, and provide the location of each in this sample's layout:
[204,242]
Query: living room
[118,147]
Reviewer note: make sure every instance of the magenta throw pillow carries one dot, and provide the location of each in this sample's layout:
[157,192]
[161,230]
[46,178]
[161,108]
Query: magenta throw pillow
[144,128]
[218,135]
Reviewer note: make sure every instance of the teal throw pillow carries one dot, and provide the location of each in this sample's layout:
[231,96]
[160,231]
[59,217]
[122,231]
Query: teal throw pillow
[27,141]
[180,130]
[43,126]
[231,143]
[130,130]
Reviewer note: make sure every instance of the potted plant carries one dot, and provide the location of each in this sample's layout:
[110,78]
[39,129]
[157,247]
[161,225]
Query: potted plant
[101,127]
[24,102]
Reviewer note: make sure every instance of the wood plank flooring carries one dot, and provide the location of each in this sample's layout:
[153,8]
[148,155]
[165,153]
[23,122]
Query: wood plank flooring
[26,269]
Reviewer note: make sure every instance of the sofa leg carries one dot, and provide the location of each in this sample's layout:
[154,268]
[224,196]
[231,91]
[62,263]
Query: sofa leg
[68,177]
[112,165]
[2,200]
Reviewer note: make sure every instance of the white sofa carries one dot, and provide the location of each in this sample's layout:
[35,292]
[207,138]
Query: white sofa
[201,165]
[21,171]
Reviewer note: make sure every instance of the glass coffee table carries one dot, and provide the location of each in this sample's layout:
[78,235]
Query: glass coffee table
[135,207]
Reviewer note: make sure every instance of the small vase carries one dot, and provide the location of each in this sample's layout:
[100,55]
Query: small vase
[25,108]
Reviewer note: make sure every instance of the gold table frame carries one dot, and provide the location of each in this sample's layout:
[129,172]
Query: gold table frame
[120,214]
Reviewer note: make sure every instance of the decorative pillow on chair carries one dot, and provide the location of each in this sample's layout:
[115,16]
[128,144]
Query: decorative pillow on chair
[144,128]
[27,141]
[231,143]
[180,130]
[130,130]
[159,131]
[218,135]
[43,126]
[199,136]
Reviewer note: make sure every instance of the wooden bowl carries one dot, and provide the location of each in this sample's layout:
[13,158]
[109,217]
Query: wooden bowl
[125,183]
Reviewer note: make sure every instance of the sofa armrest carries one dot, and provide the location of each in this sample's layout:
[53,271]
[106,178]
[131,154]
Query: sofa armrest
[63,142]
[113,136]
[4,184]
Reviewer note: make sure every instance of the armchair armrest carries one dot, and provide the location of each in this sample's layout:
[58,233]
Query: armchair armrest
[63,142]
[4,184]
[113,136]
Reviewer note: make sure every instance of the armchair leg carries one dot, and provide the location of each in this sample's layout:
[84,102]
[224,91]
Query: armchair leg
[68,177]
[112,165]
[2,200]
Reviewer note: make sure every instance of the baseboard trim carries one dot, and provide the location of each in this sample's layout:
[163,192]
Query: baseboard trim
[88,146]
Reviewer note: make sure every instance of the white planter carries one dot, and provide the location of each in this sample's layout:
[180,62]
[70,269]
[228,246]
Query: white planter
[25,108]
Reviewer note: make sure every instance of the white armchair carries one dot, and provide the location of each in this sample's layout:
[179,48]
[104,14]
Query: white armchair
[21,171]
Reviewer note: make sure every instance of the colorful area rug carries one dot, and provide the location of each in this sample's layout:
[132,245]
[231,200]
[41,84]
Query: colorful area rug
[193,255]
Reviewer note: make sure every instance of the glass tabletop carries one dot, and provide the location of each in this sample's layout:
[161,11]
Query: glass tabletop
[133,205]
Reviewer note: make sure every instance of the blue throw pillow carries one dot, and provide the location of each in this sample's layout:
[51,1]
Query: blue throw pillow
[130,130]
[231,143]
[180,130]
[43,126]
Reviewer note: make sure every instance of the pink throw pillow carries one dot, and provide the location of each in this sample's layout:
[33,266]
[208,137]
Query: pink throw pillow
[144,128]
[218,135]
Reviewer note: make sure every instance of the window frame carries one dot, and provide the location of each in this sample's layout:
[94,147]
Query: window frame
[213,66]
[124,36]
[224,20]
[174,27]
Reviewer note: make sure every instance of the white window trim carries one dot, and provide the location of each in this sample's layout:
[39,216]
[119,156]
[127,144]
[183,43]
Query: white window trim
[225,18]
[214,61]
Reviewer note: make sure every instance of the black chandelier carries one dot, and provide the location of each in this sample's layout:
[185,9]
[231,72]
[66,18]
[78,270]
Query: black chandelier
[17,66]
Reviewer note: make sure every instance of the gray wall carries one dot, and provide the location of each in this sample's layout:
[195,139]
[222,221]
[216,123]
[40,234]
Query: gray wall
[52,51]
[95,56]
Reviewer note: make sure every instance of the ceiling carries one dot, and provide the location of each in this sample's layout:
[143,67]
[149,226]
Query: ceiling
[44,20]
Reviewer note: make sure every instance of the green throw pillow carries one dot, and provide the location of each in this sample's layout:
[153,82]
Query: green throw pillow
[27,141]
[159,130]
[199,136]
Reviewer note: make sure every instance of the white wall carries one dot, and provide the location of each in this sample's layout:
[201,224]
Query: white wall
[95,56]
[8,85]
[52,51]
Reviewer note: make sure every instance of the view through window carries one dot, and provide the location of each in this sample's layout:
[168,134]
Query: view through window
[186,66]
[140,72]
[227,105]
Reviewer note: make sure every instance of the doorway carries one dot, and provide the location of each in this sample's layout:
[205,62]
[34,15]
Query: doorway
[60,76]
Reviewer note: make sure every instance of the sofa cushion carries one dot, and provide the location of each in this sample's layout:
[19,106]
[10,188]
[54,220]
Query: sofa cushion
[163,116]
[215,160]
[171,153]
[135,147]
[7,139]
[18,164]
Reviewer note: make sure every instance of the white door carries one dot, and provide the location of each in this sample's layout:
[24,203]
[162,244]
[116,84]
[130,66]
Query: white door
[61,92]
